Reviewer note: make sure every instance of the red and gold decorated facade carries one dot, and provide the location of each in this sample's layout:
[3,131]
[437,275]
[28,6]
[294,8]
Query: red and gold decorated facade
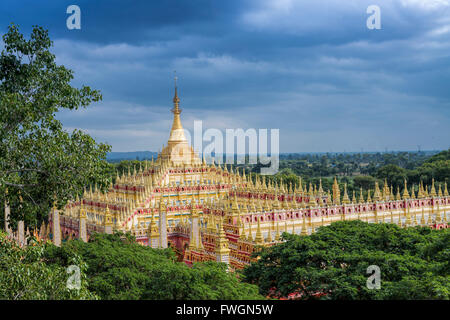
[214,212]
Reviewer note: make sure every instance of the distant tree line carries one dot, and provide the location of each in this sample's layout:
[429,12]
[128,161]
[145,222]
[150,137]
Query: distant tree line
[415,167]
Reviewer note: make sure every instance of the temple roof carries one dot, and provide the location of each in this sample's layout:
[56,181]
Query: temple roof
[178,150]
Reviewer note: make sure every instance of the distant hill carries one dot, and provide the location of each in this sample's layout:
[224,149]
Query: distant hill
[147,155]
[135,155]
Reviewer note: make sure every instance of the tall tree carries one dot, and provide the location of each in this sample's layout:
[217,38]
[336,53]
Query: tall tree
[40,162]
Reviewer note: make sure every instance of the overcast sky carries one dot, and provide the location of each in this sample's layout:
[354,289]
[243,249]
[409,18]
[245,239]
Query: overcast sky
[310,68]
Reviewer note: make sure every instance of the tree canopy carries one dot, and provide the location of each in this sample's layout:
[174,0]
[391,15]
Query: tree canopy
[332,263]
[25,273]
[120,268]
[40,162]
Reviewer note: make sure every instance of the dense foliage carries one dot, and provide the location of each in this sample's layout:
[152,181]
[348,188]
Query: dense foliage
[26,274]
[332,263]
[349,164]
[120,268]
[39,160]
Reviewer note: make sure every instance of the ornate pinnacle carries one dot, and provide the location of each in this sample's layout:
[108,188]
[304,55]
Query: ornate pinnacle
[405,192]
[176,101]
[259,238]
[361,196]
[433,190]
[345,199]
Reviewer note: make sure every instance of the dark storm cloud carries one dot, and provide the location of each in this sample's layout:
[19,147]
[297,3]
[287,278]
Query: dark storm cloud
[113,21]
[310,68]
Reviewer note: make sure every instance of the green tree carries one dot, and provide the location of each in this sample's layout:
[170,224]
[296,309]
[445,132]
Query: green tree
[439,170]
[443,155]
[365,182]
[26,275]
[39,160]
[332,263]
[120,268]
[394,174]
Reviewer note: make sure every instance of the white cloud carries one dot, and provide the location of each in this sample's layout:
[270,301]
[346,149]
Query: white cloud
[426,4]
[440,31]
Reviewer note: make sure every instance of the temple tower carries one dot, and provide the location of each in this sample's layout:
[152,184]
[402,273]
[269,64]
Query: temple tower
[108,221]
[162,225]
[222,249]
[56,228]
[82,231]
[336,193]
[178,150]
[153,234]
[195,230]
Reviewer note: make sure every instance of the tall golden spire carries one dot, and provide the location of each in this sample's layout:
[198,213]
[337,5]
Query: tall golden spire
[176,134]
[250,234]
[222,241]
[361,196]
[178,150]
[336,192]
[304,231]
[312,199]
[345,199]
[269,235]
[397,196]
[433,190]
[277,232]
[369,199]
[320,187]
[329,202]
[420,192]
[422,219]
[259,238]
[377,194]
[405,192]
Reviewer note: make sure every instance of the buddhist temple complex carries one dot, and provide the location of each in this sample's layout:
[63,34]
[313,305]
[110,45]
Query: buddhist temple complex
[215,212]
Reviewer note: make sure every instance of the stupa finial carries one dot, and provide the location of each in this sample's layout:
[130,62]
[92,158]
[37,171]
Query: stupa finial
[176,101]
